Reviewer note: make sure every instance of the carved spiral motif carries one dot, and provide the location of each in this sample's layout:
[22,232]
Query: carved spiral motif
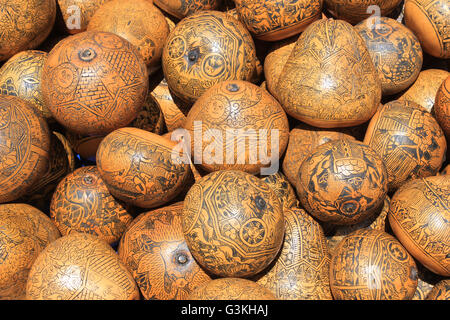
[442,106]
[80,267]
[408,139]
[25,24]
[420,218]
[311,87]
[301,271]
[154,250]
[24,147]
[303,140]
[430,21]
[372,265]
[206,48]
[342,182]
[273,20]
[137,167]
[24,233]
[21,76]
[94,82]
[184,8]
[246,119]
[354,11]
[425,88]
[82,203]
[231,289]
[233,223]
[395,52]
[138,21]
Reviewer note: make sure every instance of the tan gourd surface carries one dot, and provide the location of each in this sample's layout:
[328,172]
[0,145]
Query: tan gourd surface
[24,233]
[25,24]
[273,20]
[240,111]
[82,203]
[442,106]
[395,52]
[233,223]
[80,267]
[372,265]
[303,139]
[21,76]
[301,271]
[312,88]
[231,289]
[206,48]
[430,21]
[409,140]
[138,168]
[419,217]
[24,147]
[184,8]
[94,82]
[355,11]
[342,182]
[137,21]
[78,13]
[424,89]
[155,252]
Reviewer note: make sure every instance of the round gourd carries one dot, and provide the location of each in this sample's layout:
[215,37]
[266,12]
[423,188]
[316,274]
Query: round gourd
[82,203]
[233,223]
[395,52]
[312,86]
[303,139]
[420,219]
[24,233]
[206,48]
[408,139]
[137,21]
[442,106]
[80,267]
[94,82]
[342,182]
[301,271]
[24,147]
[21,76]
[231,289]
[372,265]
[138,168]
[181,9]
[25,24]
[154,250]
[273,20]
[236,119]
[358,10]
[429,20]
[425,88]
